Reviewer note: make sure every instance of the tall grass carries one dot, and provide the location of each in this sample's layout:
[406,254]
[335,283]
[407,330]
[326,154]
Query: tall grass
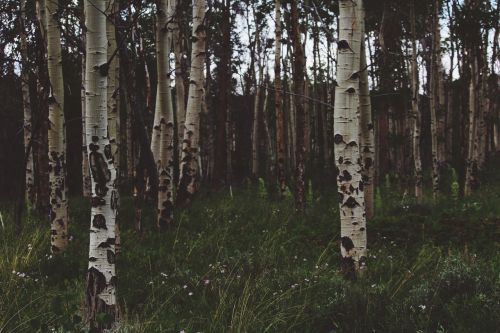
[248,263]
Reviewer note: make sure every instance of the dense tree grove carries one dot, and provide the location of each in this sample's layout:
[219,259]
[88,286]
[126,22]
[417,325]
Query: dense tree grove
[165,100]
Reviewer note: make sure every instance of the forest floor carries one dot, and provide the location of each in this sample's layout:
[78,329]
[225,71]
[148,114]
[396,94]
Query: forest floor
[248,263]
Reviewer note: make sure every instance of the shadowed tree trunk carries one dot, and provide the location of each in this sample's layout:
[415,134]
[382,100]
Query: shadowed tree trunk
[27,126]
[415,110]
[162,139]
[189,169]
[366,138]
[299,91]
[278,100]
[57,133]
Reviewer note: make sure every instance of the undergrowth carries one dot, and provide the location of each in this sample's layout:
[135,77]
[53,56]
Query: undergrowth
[243,262]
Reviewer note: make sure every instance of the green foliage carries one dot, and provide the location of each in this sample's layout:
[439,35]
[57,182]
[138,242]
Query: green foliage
[249,263]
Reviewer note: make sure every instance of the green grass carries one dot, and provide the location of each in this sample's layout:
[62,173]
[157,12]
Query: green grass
[248,263]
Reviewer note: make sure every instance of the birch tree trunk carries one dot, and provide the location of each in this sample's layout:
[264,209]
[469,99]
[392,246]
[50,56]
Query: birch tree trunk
[299,91]
[113,84]
[415,110]
[86,182]
[346,139]
[180,74]
[27,126]
[163,127]
[434,97]
[256,107]
[278,100]
[189,168]
[101,277]
[367,141]
[57,133]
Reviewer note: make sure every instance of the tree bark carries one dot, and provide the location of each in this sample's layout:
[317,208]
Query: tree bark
[163,135]
[57,133]
[278,100]
[299,91]
[189,168]
[346,139]
[27,126]
[101,277]
[417,119]
[367,141]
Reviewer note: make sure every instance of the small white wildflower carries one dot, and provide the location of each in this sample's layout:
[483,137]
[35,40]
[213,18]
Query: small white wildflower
[295,257]
[150,282]
[163,274]
[13,272]
[374,285]
[190,293]
[275,293]
[304,259]
[422,306]
[182,331]
[316,267]
[184,286]
[238,276]
[222,271]
[206,282]
[307,280]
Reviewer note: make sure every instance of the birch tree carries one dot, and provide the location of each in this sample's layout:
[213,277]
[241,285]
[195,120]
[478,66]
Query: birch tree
[56,133]
[278,100]
[162,144]
[415,109]
[189,168]
[367,141]
[346,139]
[101,278]
[299,92]
[434,97]
[27,126]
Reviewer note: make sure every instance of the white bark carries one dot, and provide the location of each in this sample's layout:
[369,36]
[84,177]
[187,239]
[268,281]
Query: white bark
[346,138]
[101,279]
[164,127]
[86,182]
[189,168]
[179,73]
[29,171]
[367,141]
[113,84]
[56,135]
[416,112]
[434,98]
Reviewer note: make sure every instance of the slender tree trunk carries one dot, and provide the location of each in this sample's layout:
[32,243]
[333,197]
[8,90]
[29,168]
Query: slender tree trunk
[434,97]
[86,182]
[278,100]
[256,108]
[113,84]
[101,277]
[299,91]
[415,110]
[367,141]
[346,138]
[162,139]
[41,146]
[224,81]
[189,168]
[180,74]
[57,133]
[27,128]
